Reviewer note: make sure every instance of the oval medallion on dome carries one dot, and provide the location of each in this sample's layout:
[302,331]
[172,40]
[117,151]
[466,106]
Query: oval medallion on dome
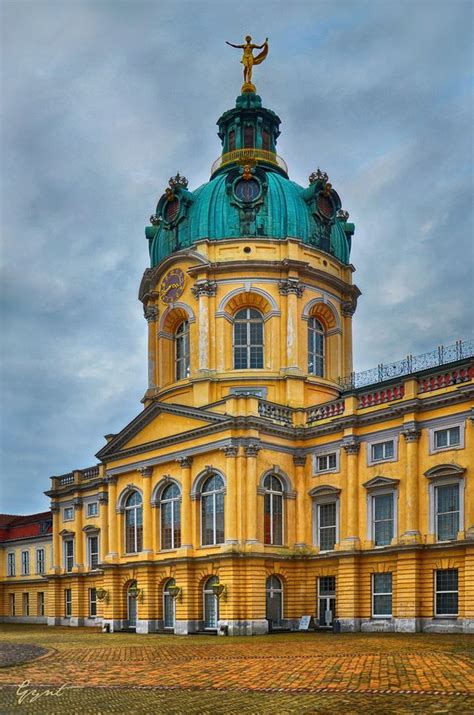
[172,285]
[171,210]
[247,190]
[325,206]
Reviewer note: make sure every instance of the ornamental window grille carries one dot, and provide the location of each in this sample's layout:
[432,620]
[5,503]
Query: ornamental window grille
[450,437]
[381,451]
[212,511]
[170,504]
[93,551]
[133,523]
[382,595]
[181,341]
[273,511]
[382,519]
[25,563]
[315,348]
[248,339]
[446,592]
[40,565]
[68,554]
[447,509]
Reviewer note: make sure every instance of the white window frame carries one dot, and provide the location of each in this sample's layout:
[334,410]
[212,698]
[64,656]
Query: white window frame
[40,561]
[317,502]
[382,593]
[92,601]
[69,540]
[25,604]
[326,453]
[444,482]
[371,511]
[67,603]
[89,551]
[91,504]
[435,592]
[447,426]
[380,439]
[272,494]
[25,562]
[182,364]
[66,511]
[249,344]
[11,563]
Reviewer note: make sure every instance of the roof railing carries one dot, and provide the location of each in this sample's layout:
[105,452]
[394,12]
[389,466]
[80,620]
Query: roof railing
[240,155]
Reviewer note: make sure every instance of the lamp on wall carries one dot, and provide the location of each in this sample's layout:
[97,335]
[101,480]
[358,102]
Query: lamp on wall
[102,594]
[175,592]
[135,592]
[219,590]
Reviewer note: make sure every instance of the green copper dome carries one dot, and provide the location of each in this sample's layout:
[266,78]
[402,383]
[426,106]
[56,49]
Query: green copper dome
[250,195]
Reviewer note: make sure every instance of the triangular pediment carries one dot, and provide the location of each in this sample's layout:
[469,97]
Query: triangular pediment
[377,482]
[159,424]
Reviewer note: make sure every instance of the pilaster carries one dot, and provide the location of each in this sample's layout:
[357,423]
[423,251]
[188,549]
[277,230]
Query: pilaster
[411,534]
[251,452]
[302,515]
[112,519]
[186,521]
[146,474]
[231,496]
[351,541]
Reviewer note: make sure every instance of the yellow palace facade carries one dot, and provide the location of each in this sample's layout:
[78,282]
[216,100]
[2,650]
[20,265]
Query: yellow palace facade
[263,480]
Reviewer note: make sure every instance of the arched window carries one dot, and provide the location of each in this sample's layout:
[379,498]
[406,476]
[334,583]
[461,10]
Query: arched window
[181,340]
[248,137]
[273,510]
[170,517]
[212,511]
[274,602]
[248,339]
[169,605]
[231,140]
[315,347]
[133,523]
[211,604]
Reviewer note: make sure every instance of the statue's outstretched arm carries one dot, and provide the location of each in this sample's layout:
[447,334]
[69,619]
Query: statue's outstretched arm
[239,47]
[260,46]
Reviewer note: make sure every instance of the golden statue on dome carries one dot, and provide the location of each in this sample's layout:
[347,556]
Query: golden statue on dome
[248,60]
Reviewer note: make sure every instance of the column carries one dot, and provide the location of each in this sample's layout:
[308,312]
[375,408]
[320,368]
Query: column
[186,520]
[351,540]
[112,520]
[345,360]
[241,461]
[151,313]
[146,473]
[79,536]
[301,500]
[104,526]
[251,451]
[412,529]
[407,604]
[231,495]
[347,595]
[56,564]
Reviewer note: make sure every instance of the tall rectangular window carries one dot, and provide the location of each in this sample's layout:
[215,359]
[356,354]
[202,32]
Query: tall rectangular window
[446,592]
[26,604]
[40,603]
[67,602]
[68,554]
[11,564]
[25,563]
[382,519]
[447,512]
[327,526]
[12,605]
[93,551]
[382,594]
[40,568]
[92,602]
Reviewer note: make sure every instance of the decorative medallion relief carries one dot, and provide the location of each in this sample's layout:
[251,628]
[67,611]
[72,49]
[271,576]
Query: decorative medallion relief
[172,285]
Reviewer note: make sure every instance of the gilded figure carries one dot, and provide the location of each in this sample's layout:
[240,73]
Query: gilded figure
[249,60]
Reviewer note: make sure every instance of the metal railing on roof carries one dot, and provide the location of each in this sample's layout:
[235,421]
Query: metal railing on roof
[240,155]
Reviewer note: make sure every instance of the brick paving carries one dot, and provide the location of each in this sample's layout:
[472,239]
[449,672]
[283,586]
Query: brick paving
[294,673]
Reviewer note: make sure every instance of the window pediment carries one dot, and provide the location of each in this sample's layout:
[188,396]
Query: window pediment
[324,491]
[66,532]
[378,482]
[445,470]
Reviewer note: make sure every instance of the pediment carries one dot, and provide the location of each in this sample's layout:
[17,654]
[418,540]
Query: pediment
[158,422]
[66,532]
[324,491]
[378,482]
[445,470]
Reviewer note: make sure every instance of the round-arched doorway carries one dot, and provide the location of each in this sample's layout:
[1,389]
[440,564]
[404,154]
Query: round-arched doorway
[274,603]
[211,604]
[169,605]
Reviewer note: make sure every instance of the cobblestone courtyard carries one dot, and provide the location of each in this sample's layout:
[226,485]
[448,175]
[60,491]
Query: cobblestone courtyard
[287,673]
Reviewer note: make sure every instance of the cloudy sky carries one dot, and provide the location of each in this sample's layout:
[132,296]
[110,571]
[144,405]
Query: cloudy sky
[103,101]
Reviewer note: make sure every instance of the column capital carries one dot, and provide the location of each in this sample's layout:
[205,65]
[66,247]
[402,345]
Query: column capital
[145,471]
[55,507]
[151,313]
[185,462]
[230,451]
[411,433]
[111,479]
[77,503]
[206,288]
[299,459]
[348,308]
[103,498]
[351,444]
[291,285]
[252,449]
